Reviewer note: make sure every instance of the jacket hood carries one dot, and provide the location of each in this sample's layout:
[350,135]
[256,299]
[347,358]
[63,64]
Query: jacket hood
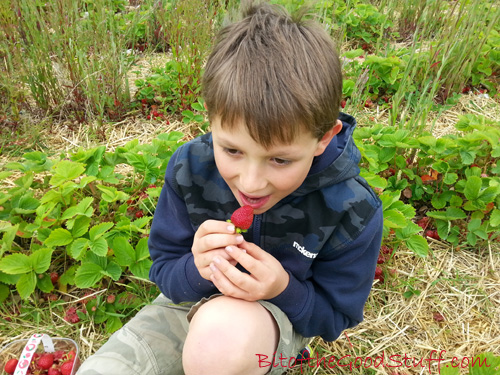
[337,163]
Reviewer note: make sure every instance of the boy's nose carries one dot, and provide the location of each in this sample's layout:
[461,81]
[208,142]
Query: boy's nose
[252,180]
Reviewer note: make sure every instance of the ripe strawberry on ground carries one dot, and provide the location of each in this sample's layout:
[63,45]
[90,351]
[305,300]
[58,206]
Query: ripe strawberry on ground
[379,274]
[54,277]
[432,234]
[242,218]
[11,365]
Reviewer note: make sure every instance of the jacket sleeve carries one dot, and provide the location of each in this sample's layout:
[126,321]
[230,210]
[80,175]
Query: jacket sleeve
[170,240]
[333,298]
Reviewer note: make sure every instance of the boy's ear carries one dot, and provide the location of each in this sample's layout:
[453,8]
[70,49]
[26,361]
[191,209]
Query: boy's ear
[325,140]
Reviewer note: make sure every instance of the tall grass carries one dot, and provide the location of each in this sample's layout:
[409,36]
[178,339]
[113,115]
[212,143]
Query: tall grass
[72,54]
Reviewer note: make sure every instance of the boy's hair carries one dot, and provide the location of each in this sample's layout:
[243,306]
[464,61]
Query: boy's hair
[278,74]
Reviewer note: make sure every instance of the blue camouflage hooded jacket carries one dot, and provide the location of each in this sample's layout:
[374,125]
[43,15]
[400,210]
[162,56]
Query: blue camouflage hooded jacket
[326,234]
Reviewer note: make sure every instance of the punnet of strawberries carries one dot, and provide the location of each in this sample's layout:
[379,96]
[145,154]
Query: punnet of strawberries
[63,361]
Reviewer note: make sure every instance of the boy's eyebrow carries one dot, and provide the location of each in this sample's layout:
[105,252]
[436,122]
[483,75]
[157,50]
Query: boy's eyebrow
[279,152]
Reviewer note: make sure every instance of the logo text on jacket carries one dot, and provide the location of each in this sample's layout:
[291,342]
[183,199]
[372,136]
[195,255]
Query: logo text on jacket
[303,250]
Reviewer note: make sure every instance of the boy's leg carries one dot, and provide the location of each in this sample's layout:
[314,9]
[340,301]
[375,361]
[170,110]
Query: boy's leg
[150,343]
[232,336]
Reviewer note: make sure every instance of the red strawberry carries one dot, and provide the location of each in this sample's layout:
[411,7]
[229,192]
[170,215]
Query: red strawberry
[10,366]
[54,277]
[381,259]
[46,361]
[54,371]
[432,234]
[66,368]
[242,218]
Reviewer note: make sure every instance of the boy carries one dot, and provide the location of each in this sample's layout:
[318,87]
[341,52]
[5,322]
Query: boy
[272,88]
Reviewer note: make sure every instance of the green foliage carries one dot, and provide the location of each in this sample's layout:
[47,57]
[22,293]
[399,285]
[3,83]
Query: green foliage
[78,207]
[457,174]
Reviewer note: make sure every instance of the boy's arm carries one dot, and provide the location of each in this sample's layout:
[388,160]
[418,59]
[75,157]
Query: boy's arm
[170,241]
[334,298]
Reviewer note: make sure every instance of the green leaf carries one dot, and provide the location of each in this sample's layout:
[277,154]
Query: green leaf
[111,194]
[418,245]
[80,226]
[82,208]
[8,237]
[489,194]
[99,246]
[394,219]
[27,205]
[467,156]
[141,269]
[16,264]
[142,250]
[41,260]
[4,292]
[373,179]
[66,170]
[451,213]
[98,230]
[113,270]
[59,237]
[78,248]
[124,253]
[472,187]
[495,218]
[450,178]
[449,370]
[485,364]
[88,275]
[113,324]
[473,225]
[26,284]
[388,198]
[45,284]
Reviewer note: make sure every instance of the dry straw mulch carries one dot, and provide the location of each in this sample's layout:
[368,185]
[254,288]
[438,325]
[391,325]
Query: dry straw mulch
[456,314]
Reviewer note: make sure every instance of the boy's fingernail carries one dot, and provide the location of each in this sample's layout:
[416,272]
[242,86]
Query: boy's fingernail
[216,260]
[229,249]
[212,267]
[239,239]
[230,228]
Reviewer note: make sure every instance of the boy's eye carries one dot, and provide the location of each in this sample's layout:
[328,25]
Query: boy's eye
[230,151]
[280,161]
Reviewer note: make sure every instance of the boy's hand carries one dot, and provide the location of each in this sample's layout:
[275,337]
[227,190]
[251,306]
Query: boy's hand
[266,280]
[209,241]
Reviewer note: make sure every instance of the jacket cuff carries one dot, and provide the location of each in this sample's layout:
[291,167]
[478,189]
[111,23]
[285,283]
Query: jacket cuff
[293,299]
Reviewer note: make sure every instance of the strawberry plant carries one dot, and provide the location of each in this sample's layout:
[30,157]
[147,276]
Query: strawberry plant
[456,174]
[79,206]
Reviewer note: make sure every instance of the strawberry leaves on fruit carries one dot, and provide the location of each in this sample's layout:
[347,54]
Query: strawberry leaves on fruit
[242,219]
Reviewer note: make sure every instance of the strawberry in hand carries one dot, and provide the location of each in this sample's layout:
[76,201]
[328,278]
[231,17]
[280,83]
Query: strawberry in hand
[242,218]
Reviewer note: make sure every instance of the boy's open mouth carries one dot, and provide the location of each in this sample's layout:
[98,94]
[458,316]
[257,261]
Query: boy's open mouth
[254,202]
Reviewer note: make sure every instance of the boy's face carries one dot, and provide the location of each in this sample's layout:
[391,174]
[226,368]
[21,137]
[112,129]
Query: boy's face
[261,177]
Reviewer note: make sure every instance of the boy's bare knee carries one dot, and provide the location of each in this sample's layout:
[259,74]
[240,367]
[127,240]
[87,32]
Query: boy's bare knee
[225,336]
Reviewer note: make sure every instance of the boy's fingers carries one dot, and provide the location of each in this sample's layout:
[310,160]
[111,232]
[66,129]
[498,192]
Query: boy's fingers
[221,279]
[234,275]
[214,226]
[217,241]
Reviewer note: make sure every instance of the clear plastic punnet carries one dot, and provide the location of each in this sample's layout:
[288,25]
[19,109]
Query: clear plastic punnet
[28,351]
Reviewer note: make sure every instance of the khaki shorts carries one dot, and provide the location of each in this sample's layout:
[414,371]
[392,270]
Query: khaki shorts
[151,342]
